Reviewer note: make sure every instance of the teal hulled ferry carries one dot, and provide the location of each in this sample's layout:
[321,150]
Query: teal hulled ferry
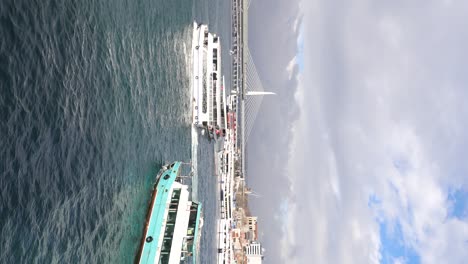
[173,223]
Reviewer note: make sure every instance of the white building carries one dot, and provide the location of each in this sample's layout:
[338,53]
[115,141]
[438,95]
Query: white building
[254,253]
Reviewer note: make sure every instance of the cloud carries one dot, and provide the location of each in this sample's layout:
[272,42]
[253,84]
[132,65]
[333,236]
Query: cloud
[380,141]
[296,64]
[291,67]
[273,45]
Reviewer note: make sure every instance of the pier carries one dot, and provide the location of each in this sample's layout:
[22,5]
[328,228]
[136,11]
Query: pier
[237,228]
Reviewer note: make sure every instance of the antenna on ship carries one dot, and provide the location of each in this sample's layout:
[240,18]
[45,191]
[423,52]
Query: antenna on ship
[189,176]
[185,178]
[186,163]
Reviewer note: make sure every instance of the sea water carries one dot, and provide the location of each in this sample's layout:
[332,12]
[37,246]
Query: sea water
[94,98]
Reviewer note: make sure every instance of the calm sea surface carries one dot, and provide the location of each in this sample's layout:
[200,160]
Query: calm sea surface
[94,98]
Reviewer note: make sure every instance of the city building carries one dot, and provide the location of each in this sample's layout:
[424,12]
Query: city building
[254,253]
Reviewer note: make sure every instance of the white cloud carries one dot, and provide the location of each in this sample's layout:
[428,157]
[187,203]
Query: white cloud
[383,110]
[291,66]
[298,60]
[297,23]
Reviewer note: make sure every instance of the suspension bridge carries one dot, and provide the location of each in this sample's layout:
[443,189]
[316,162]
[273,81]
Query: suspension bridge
[245,82]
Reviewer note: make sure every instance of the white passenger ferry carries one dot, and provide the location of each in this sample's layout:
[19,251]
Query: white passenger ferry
[208,90]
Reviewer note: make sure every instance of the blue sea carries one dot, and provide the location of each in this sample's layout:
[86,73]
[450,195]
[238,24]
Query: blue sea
[94,98]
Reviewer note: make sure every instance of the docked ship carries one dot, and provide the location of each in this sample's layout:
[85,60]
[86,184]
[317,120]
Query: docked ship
[173,223]
[208,90]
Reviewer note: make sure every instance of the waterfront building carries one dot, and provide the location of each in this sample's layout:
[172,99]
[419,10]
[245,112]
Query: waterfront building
[254,253]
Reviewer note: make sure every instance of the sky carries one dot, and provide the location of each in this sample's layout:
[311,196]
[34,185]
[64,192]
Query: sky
[361,157]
